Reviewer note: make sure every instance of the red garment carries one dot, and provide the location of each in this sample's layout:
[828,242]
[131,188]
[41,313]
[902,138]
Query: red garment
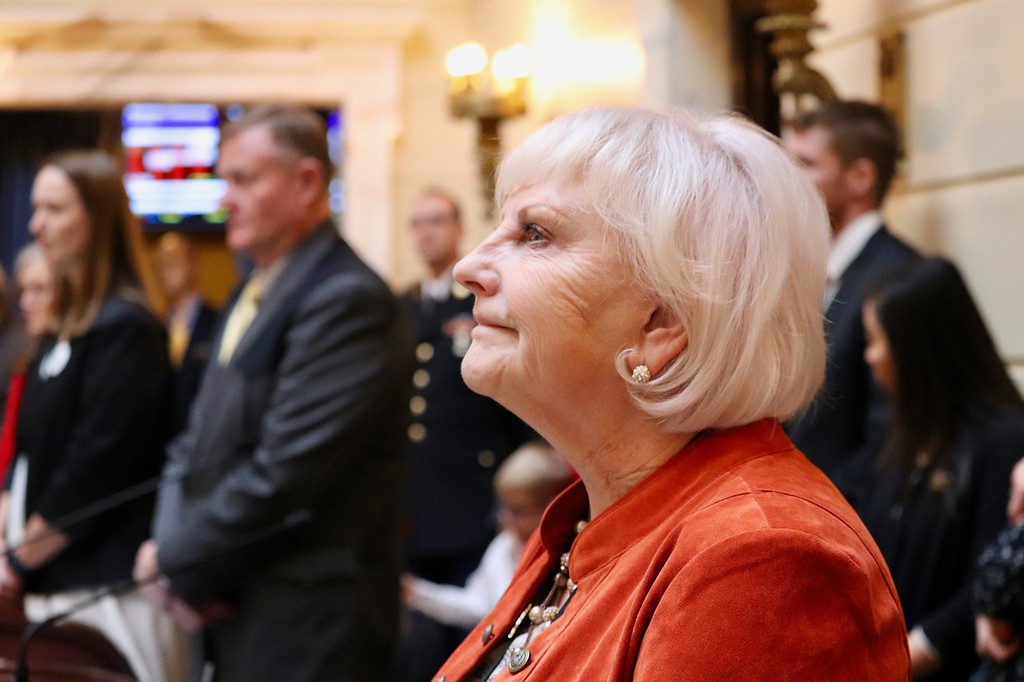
[736,560]
[7,431]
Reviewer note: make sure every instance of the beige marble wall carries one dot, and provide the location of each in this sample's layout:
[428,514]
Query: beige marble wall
[962,194]
[687,48]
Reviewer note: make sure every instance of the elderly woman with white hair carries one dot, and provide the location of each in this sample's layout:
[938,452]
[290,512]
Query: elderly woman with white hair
[650,303]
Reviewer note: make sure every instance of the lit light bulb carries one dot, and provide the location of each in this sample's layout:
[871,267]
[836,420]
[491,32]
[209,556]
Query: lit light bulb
[467,59]
[513,62]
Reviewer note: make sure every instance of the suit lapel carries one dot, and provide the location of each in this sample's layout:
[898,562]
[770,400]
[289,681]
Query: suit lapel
[275,306]
[852,282]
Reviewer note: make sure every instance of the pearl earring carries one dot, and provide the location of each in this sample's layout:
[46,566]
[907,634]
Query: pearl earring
[641,374]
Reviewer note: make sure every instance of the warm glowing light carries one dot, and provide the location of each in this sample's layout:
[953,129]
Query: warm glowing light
[598,61]
[467,59]
[513,62]
[490,98]
[581,65]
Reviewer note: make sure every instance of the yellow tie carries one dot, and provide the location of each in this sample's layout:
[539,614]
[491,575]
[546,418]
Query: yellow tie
[241,316]
[179,336]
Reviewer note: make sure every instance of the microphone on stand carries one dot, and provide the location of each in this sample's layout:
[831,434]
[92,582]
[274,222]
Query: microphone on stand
[112,501]
[293,520]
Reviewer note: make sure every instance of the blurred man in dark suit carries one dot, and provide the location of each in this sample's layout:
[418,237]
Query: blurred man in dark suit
[850,150]
[296,438]
[191,321]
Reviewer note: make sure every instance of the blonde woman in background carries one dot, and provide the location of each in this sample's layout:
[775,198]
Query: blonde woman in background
[14,342]
[34,278]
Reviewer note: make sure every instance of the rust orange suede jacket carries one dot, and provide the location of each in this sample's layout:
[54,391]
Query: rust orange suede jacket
[736,560]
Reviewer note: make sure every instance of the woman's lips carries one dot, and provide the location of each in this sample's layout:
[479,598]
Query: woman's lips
[485,321]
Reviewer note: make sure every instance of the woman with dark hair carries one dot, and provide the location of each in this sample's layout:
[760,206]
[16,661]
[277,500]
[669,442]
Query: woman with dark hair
[94,418]
[938,493]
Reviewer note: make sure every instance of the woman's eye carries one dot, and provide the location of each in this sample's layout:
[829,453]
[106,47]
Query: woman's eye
[531,233]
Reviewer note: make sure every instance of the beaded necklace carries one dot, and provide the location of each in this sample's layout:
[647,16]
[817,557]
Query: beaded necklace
[538,617]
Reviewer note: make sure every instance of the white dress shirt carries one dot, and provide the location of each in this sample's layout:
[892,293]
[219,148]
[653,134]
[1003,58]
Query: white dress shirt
[467,606]
[846,246]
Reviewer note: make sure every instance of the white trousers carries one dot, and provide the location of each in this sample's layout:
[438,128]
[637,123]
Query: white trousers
[154,646]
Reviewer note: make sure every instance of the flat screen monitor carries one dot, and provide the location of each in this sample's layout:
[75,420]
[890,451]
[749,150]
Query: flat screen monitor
[170,151]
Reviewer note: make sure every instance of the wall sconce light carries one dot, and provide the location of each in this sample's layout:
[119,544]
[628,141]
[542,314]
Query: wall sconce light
[795,81]
[489,97]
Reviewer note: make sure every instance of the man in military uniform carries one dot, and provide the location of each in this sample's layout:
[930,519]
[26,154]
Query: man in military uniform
[457,438]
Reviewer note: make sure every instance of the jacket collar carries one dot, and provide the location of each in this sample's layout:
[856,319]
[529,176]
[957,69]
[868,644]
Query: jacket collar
[675,485]
[300,260]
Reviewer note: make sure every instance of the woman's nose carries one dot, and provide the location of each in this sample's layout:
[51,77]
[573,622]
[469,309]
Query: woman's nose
[475,271]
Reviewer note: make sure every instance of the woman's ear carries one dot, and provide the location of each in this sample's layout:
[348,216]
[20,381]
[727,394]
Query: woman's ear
[662,340]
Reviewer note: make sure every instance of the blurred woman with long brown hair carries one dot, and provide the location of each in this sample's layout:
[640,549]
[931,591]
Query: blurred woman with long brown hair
[94,419]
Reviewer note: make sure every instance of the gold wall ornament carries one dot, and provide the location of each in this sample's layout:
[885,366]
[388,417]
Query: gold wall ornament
[490,97]
[799,85]
[892,77]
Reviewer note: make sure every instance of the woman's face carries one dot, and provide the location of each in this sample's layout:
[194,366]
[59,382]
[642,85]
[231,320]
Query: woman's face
[35,280]
[876,353]
[59,221]
[554,307]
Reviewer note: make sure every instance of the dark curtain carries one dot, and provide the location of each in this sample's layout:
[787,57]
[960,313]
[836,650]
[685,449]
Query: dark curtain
[26,138]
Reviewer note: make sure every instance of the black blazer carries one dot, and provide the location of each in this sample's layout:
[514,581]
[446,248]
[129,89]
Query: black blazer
[932,530]
[850,412]
[97,427]
[309,416]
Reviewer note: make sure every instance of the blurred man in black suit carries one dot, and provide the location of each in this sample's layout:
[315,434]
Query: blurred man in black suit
[191,321]
[850,150]
[278,519]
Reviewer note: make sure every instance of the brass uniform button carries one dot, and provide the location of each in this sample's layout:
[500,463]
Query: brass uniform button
[421,378]
[417,405]
[488,633]
[417,433]
[486,459]
[424,352]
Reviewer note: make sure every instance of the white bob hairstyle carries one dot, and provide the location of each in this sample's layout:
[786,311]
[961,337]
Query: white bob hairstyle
[721,227]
